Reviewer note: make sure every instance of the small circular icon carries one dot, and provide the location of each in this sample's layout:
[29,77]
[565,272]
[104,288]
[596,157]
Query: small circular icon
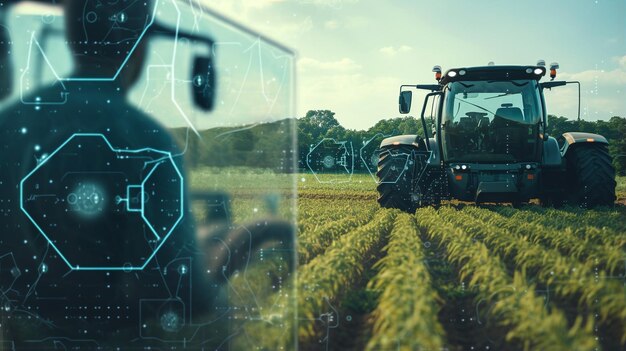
[198,80]
[374,160]
[87,199]
[170,322]
[91,17]
[127,267]
[328,161]
[72,199]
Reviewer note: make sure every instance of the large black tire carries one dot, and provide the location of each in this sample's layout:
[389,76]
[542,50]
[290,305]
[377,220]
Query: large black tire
[591,175]
[396,178]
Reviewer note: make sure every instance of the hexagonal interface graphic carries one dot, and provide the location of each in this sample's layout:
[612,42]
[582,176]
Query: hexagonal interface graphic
[369,154]
[331,161]
[101,207]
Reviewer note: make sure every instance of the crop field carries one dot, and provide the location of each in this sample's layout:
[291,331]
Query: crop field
[460,277]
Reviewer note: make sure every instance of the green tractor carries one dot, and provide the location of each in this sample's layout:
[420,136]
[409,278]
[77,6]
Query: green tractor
[488,143]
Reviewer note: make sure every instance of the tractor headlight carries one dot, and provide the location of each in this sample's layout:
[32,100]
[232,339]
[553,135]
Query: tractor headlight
[538,71]
[452,74]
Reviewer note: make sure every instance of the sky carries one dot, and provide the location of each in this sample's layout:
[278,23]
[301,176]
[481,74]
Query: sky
[352,55]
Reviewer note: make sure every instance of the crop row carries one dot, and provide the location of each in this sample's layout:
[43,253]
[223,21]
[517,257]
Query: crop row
[314,242]
[314,213]
[607,256]
[514,301]
[604,231]
[612,219]
[406,314]
[329,277]
[570,278]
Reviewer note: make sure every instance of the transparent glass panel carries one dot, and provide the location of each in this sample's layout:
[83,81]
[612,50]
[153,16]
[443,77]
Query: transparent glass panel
[146,186]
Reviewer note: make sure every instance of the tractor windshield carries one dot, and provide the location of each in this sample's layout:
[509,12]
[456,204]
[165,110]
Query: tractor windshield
[491,121]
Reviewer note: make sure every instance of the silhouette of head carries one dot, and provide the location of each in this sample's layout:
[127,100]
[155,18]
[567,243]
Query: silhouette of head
[102,34]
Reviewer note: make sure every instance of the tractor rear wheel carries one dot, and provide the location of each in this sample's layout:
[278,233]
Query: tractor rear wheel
[591,175]
[396,168]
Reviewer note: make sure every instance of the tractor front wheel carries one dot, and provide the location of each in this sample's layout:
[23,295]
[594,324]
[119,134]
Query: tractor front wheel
[396,168]
[591,175]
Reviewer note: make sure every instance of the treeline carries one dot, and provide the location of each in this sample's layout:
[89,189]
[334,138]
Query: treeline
[319,124]
[270,145]
[264,145]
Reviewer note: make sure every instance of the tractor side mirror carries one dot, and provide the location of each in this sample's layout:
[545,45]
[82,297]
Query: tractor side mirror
[203,82]
[202,70]
[405,101]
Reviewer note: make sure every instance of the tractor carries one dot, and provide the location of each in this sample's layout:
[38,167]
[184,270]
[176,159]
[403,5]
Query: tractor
[486,142]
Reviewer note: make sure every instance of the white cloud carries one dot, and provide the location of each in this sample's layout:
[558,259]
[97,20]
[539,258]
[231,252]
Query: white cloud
[602,93]
[589,78]
[392,51]
[343,65]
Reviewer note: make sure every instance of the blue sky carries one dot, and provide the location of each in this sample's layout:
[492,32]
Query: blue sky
[353,55]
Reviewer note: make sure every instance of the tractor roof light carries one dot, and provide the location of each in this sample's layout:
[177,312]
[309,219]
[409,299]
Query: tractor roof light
[541,63]
[437,70]
[452,74]
[538,71]
[553,67]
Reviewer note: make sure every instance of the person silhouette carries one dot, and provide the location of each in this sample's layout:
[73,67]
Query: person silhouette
[42,295]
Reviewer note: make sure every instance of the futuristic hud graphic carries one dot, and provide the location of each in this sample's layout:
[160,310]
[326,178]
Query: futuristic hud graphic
[89,189]
[145,194]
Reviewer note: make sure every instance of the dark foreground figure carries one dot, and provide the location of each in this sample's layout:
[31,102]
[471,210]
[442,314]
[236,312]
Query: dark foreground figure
[98,247]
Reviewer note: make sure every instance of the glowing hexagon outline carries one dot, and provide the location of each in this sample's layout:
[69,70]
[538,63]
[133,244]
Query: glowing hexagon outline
[166,155]
[119,69]
[343,145]
[33,40]
[374,177]
[367,165]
